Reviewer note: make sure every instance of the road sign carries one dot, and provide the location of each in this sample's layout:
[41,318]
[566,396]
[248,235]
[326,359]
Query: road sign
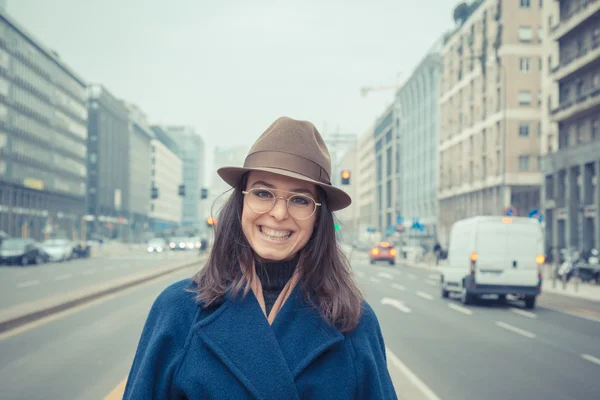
[399,219]
[510,211]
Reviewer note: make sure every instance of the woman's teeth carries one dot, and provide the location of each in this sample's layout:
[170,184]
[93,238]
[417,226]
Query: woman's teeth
[275,234]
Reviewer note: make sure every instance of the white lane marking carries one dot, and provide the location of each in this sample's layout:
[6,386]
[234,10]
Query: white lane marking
[360,274]
[516,330]
[28,283]
[63,277]
[458,308]
[385,275]
[89,272]
[434,276]
[430,282]
[411,276]
[524,313]
[397,273]
[110,268]
[414,379]
[593,359]
[398,287]
[396,304]
[374,280]
[425,295]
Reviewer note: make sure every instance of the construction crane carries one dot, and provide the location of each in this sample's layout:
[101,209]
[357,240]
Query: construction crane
[365,90]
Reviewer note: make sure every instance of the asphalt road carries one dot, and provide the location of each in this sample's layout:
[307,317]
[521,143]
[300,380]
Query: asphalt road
[487,351]
[35,282]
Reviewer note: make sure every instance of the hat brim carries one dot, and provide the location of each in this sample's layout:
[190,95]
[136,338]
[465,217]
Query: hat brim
[337,199]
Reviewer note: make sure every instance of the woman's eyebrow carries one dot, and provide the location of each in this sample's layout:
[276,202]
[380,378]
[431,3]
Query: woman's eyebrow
[299,190]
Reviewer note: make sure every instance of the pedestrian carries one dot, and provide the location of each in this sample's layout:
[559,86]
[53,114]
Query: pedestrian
[274,313]
[437,249]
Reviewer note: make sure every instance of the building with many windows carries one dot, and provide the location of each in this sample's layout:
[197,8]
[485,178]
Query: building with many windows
[418,137]
[166,203]
[571,134]
[490,110]
[191,152]
[43,138]
[108,164]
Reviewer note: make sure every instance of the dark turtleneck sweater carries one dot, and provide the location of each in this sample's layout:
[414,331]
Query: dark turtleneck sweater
[273,277]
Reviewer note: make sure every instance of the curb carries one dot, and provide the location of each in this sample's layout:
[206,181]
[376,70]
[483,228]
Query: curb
[76,298]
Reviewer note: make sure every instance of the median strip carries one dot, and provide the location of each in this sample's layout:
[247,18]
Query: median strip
[16,316]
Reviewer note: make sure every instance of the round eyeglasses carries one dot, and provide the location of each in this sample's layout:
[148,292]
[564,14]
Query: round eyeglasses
[299,206]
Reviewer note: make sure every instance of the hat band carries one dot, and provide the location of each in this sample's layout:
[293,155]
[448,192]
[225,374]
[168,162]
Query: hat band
[288,162]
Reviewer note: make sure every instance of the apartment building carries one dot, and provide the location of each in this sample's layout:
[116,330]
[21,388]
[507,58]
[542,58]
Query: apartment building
[571,130]
[490,109]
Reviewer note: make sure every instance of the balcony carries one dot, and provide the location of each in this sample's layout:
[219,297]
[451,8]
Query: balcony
[570,66]
[570,109]
[571,156]
[576,17]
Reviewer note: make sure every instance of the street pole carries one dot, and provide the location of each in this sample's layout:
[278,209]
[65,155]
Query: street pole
[505,134]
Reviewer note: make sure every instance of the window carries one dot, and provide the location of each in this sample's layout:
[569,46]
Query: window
[540,33]
[525,34]
[596,128]
[540,64]
[541,3]
[524,129]
[525,3]
[524,97]
[524,163]
[524,65]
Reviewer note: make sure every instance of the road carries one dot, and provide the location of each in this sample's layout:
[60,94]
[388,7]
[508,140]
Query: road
[487,351]
[35,282]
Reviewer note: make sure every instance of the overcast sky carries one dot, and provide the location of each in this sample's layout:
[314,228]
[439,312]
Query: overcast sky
[229,68]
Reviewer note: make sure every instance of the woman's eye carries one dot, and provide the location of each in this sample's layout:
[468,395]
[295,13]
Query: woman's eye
[263,194]
[300,201]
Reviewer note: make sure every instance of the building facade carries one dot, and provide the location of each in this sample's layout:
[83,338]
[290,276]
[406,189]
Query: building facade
[571,144]
[223,156]
[418,138]
[367,199]
[349,217]
[387,169]
[191,153]
[140,167]
[166,203]
[490,110]
[108,164]
[43,137]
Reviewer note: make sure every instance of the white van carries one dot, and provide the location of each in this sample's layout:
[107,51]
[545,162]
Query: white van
[494,255]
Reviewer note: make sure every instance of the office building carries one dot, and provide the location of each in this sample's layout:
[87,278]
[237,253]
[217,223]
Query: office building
[43,137]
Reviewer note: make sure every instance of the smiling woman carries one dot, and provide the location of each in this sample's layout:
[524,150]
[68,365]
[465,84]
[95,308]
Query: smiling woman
[274,314]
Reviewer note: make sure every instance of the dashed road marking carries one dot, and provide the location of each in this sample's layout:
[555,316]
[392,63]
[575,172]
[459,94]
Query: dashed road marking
[592,359]
[524,313]
[461,309]
[109,268]
[514,329]
[414,379]
[397,304]
[411,276]
[424,295]
[63,277]
[385,275]
[89,272]
[28,284]
[430,282]
[398,287]
[374,280]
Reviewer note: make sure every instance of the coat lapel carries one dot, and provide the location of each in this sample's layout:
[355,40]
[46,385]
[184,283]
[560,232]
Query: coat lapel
[267,358]
[240,335]
[301,332]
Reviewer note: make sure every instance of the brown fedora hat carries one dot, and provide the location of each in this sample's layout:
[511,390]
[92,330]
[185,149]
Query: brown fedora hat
[295,149]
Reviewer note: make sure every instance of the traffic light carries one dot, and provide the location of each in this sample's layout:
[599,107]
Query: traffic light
[182,190]
[345,177]
[154,194]
[203,193]
[210,222]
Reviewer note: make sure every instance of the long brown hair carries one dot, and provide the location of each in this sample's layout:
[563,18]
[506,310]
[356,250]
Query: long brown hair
[326,277]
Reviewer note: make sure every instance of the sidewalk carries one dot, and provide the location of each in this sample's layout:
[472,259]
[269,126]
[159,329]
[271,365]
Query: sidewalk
[112,249]
[572,288]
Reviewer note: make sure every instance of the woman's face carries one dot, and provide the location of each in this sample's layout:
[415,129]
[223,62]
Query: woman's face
[276,235]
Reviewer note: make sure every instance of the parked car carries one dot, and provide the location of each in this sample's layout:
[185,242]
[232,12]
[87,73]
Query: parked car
[22,252]
[82,249]
[383,251]
[58,249]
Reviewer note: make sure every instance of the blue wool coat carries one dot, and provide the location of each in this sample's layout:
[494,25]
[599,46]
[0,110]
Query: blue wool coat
[231,352]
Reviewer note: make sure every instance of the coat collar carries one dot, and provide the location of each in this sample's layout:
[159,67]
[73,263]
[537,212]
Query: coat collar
[267,358]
